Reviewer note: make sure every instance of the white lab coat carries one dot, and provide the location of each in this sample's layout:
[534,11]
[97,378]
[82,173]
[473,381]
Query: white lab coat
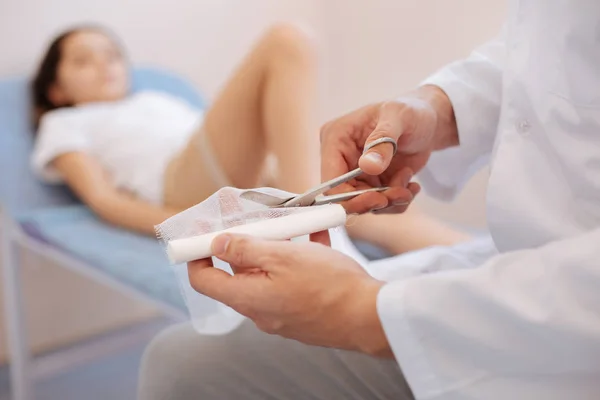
[525,324]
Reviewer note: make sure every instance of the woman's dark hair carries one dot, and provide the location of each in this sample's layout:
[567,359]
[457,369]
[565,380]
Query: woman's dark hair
[45,76]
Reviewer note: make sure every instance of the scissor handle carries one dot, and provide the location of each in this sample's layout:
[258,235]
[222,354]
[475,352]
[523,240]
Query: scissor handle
[308,198]
[382,140]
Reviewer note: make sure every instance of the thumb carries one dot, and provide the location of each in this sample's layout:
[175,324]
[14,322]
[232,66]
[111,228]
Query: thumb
[389,125]
[244,251]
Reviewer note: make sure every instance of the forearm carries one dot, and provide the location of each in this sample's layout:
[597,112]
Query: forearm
[130,213]
[90,182]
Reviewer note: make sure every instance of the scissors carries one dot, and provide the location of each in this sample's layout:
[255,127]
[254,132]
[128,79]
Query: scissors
[315,196]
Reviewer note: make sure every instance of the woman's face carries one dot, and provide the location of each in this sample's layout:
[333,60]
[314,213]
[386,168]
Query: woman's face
[92,68]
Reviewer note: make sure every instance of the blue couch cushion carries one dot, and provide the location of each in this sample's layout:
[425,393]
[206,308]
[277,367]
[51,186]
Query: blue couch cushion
[134,260]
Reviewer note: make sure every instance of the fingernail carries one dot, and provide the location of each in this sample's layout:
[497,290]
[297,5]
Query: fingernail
[401,203]
[220,244]
[378,208]
[374,157]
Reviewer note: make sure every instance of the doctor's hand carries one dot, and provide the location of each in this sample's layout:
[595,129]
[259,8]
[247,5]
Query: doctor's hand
[420,122]
[302,291]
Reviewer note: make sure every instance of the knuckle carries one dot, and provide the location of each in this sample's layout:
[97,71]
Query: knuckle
[383,130]
[325,130]
[400,108]
[409,113]
[322,133]
[261,325]
[393,105]
[238,249]
[269,326]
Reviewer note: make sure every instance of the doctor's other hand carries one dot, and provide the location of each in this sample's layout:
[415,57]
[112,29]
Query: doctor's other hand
[302,291]
[420,122]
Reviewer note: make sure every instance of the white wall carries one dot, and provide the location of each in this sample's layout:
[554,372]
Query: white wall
[372,49]
[377,49]
[179,34]
[380,48]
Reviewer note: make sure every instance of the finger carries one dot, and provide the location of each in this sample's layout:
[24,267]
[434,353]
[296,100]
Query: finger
[398,196]
[342,141]
[245,251]
[334,146]
[245,270]
[400,205]
[392,210]
[321,237]
[366,203]
[389,125]
[212,282]
[414,188]
[346,187]
[401,178]
[399,193]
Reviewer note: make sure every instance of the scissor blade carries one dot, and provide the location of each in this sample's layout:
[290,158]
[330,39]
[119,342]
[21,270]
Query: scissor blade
[268,200]
[336,198]
[308,198]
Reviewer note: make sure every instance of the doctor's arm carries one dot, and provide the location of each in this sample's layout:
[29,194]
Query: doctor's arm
[527,316]
[474,87]
[91,184]
[522,319]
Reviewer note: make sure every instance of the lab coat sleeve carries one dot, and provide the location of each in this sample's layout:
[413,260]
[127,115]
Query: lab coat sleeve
[524,318]
[474,86]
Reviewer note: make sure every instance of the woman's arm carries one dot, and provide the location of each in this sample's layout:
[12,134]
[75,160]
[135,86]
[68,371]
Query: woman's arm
[90,183]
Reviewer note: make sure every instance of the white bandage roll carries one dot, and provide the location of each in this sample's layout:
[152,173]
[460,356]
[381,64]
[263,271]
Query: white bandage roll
[288,227]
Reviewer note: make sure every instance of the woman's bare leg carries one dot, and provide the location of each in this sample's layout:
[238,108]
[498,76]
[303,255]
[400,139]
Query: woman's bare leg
[401,233]
[267,107]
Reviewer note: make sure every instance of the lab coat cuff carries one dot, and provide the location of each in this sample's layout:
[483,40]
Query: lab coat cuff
[405,343]
[450,169]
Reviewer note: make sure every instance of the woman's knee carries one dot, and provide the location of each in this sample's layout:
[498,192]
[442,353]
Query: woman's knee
[291,42]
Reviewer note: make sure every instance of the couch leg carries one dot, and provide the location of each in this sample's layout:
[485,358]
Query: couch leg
[20,371]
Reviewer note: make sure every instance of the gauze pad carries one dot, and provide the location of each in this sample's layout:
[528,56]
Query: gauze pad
[188,236]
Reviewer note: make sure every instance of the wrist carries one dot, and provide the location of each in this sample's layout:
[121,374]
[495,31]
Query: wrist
[446,134]
[368,334]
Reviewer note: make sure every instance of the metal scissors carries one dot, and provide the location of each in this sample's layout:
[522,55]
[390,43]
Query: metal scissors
[315,196]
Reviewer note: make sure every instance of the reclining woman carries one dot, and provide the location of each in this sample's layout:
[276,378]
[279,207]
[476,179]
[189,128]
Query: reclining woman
[138,158]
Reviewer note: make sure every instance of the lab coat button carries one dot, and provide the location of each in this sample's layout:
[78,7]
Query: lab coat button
[524,127]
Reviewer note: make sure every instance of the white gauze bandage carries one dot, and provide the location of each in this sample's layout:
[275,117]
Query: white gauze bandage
[188,236]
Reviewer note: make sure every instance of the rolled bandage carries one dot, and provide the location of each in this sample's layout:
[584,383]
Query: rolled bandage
[287,227]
